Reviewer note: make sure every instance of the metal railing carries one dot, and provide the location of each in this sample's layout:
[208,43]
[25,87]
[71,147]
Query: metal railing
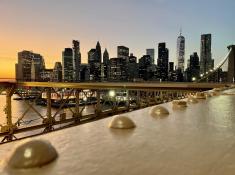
[102,100]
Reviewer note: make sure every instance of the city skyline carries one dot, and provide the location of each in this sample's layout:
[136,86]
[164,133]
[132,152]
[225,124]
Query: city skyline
[141,25]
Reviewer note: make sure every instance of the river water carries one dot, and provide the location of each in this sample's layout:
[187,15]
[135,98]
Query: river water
[31,117]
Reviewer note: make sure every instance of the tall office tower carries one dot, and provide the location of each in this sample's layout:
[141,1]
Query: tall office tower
[77,60]
[37,66]
[151,53]
[98,55]
[171,66]
[67,64]
[85,72]
[57,72]
[46,75]
[94,64]
[206,61]
[117,71]
[162,62]
[171,72]
[133,68]
[106,57]
[105,65]
[180,52]
[29,66]
[144,65]
[91,56]
[193,70]
[123,53]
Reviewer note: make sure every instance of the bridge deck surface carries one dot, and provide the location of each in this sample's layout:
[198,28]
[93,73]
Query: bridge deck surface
[197,140]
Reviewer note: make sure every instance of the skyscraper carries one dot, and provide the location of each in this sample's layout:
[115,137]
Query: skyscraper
[57,72]
[193,70]
[37,66]
[144,65]
[133,68]
[98,55]
[162,62]
[151,53]
[116,69]
[77,60]
[94,60]
[67,64]
[206,61]
[105,65]
[29,66]
[180,52]
[91,56]
[106,57]
[123,54]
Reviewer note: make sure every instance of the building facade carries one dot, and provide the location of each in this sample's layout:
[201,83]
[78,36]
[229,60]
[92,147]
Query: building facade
[151,53]
[57,72]
[193,70]
[105,66]
[180,52]
[29,66]
[133,68]
[67,64]
[123,53]
[206,61]
[163,61]
[77,60]
[145,67]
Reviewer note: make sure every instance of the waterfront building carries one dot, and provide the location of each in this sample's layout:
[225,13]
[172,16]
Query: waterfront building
[193,70]
[123,53]
[151,53]
[162,62]
[67,64]
[57,72]
[94,60]
[98,55]
[171,66]
[105,65]
[46,75]
[133,68]
[77,60]
[180,53]
[144,66]
[85,72]
[29,66]
[37,66]
[117,69]
[206,61]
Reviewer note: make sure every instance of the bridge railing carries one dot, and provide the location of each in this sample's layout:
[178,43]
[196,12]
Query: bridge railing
[68,104]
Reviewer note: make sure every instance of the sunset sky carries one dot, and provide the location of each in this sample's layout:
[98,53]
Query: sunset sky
[48,26]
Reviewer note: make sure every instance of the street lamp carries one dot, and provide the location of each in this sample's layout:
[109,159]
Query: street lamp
[112,93]
[194,79]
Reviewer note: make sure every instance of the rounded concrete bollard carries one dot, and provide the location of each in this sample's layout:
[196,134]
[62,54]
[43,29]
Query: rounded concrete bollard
[32,154]
[192,100]
[179,104]
[159,111]
[121,122]
[200,95]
